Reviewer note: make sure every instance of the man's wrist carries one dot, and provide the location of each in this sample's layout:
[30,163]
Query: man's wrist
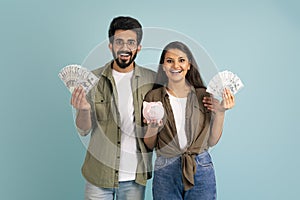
[84,110]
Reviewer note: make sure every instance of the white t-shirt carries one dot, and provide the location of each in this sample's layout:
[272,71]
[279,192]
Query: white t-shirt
[128,158]
[178,106]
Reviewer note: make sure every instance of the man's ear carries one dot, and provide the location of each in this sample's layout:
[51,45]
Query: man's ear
[110,46]
[139,47]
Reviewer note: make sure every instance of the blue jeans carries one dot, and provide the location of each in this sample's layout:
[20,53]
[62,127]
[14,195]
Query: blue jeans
[167,181]
[127,190]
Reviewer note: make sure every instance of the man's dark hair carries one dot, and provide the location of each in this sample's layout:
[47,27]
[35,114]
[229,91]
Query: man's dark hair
[125,23]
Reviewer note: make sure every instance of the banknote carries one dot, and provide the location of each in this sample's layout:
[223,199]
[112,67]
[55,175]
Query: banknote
[76,75]
[222,80]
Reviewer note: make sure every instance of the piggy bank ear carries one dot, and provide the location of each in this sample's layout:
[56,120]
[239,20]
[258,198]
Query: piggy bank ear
[145,103]
[159,103]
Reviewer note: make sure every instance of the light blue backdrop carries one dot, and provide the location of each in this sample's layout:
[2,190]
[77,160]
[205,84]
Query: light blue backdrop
[40,152]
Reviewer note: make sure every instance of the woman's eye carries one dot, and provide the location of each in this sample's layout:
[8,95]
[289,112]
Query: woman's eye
[181,60]
[169,61]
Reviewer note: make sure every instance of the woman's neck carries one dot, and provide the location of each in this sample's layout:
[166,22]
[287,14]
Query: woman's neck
[179,89]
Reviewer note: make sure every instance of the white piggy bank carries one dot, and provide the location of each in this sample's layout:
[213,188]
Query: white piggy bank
[153,111]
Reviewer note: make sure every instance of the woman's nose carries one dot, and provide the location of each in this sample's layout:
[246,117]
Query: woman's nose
[176,65]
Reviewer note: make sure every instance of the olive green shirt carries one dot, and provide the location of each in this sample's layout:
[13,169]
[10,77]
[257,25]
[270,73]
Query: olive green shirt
[102,160]
[197,129]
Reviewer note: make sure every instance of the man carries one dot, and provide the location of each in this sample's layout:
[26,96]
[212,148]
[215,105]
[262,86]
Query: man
[117,162]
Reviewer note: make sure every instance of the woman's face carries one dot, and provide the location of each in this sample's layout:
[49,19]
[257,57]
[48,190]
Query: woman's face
[176,65]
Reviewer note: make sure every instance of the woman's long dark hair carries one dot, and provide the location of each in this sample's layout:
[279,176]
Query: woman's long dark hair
[193,76]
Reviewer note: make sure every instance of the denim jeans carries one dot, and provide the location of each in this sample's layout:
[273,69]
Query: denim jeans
[167,181]
[127,190]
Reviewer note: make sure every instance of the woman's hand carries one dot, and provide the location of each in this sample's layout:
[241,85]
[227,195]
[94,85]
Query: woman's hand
[150,137]
[153,123]
[214,104]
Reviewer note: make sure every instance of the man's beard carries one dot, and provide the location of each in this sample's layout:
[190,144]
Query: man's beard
[122,64]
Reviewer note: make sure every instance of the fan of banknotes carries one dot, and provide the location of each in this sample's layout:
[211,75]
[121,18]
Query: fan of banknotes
[76,75]
[222,80]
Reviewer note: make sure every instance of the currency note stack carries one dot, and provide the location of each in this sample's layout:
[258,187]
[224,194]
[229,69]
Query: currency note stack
[222,80]
[76,75]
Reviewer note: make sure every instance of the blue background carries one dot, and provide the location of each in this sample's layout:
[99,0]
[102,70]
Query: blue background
[40,151]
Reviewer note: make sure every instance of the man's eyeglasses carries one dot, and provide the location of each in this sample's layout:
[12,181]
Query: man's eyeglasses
[130,43]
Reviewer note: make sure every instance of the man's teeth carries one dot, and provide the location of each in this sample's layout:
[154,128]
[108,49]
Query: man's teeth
[124,54]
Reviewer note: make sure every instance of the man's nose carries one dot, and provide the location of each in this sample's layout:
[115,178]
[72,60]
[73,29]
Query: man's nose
[125,46]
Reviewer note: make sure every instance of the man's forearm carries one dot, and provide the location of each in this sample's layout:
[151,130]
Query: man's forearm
[83,120]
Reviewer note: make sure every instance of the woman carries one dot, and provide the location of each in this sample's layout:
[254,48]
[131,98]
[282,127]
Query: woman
[192,123]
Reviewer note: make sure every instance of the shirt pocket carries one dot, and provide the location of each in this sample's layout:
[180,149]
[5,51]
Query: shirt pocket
[103,109]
